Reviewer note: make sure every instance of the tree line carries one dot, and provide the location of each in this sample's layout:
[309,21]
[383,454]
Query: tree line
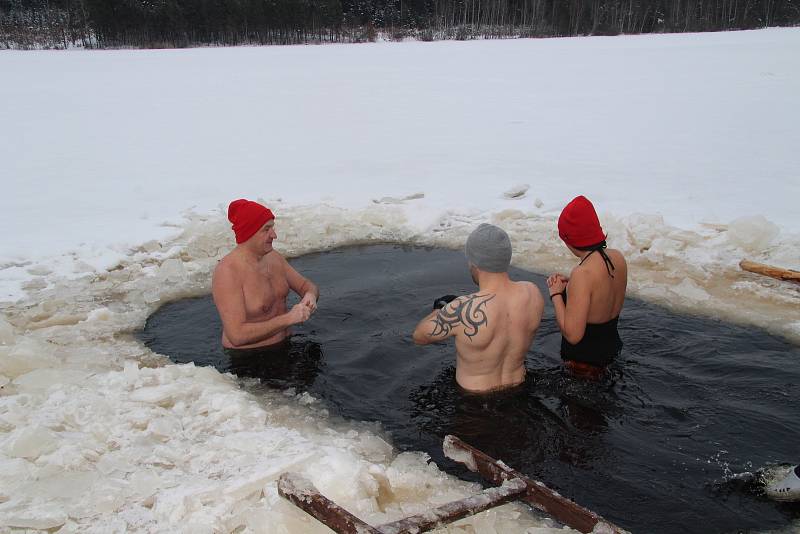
[181,23]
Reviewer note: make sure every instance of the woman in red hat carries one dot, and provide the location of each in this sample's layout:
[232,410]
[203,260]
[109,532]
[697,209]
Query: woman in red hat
[588,323]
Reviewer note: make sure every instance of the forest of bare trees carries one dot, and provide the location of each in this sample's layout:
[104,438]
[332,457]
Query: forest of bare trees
[180,23]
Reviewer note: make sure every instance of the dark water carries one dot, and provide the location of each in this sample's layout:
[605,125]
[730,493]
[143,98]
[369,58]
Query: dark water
[654,447]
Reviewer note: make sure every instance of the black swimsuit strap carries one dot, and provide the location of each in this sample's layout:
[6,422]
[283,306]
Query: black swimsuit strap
[585,257]
[601,249]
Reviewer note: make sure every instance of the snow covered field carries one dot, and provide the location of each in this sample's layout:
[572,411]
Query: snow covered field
[116,168]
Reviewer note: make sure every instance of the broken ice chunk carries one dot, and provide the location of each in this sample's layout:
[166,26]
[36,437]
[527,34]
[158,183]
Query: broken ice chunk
[753,234]
[517,191]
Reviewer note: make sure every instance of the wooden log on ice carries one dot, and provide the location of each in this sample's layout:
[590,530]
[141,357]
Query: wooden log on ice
[537,495]
[511,490]
[305,496]
[512,486]
[779,273]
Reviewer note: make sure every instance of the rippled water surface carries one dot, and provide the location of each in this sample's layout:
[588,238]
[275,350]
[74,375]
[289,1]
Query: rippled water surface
[658,446]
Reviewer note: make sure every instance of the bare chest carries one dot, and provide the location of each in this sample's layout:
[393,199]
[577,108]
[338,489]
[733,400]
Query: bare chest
[265,290]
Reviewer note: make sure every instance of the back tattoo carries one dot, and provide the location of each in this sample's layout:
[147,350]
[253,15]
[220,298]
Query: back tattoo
[469,312]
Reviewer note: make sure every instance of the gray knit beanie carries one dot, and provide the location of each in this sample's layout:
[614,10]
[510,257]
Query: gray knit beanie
[489,249]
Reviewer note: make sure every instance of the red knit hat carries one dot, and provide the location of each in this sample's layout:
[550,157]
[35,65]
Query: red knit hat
[247,217]
[578,225]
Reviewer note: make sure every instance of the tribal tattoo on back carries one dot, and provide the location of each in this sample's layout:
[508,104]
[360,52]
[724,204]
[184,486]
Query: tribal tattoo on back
[469,312]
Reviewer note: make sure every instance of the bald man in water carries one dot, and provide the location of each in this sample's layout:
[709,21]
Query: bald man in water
[495,326]
[252,282]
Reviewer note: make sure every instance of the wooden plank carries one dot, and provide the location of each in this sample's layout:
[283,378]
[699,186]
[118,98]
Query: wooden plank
[779,273]
[305,496]
[538,495]
[511,490]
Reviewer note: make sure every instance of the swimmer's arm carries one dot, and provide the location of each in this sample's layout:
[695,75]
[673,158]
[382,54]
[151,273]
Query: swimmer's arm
[572,318]
[427,331]
[438,325]
[229,299]
[300,284]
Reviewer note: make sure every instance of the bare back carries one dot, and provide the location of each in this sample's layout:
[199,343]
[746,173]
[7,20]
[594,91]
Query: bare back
[494,330]
[606,293]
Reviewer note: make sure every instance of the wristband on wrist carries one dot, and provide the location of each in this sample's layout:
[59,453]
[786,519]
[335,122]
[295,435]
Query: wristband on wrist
[557,294]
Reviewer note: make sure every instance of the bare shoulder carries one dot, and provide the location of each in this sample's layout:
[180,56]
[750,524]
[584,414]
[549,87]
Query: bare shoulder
[580,272]
[528,286]
[227,270]
[464,305]
[533,296]
[478,297]
[530,289]
[464,315]
[463,299]
[226,265]
[617,257]
[276,259]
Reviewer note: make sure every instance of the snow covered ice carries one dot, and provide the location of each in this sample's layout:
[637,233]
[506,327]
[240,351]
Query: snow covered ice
[116,167]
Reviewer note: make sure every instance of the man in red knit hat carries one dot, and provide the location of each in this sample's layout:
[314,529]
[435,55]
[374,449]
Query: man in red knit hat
[588,322]
[252,282]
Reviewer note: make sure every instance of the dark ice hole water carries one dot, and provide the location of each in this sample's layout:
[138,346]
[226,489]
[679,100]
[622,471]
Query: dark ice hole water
[655,447]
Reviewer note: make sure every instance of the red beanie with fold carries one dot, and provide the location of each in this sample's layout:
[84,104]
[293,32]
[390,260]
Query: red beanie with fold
[578,225]
[247,218]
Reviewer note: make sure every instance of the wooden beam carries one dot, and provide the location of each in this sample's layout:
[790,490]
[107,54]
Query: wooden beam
[512,486]
[538,495]
[305,496]
[511,490]
[779,273]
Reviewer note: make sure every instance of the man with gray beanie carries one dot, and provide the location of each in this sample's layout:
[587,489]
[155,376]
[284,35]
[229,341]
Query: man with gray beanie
[494,327]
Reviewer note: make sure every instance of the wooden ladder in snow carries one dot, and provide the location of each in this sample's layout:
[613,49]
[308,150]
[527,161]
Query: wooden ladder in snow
[512,486]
